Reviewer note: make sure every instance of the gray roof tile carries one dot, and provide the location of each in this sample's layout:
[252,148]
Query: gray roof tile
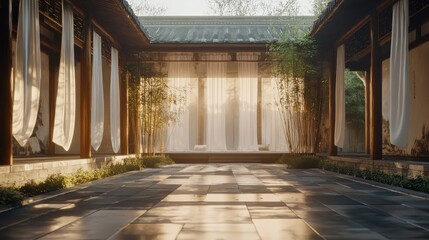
[219,30]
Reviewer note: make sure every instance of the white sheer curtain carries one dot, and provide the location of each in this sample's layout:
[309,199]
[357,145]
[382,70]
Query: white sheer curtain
[27,72]
[97,113]
[248,102]
[399,84]
[340,110]
[115,121]
[179,78]
[273,133]
[216,99]
[65,106]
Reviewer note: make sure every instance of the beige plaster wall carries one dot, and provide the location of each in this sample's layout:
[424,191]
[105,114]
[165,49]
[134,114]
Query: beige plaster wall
[419,100]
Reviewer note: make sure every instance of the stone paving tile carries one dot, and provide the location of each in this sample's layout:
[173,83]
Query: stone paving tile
[272,229]
[197,214]
[218,231]
[223,201]
[164,231]
[46,223]
[99,225]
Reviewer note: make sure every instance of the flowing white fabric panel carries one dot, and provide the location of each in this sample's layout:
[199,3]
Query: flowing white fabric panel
[216,100]
[27,72]
[65,106]
[97,113]
[273,133]
[340,109]
[179,81]
[399,83]
[115,121]
[248,102]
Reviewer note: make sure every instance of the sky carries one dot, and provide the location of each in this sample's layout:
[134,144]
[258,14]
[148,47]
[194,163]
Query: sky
[200,7]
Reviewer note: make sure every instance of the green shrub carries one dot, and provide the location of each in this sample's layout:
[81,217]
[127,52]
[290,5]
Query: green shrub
[31,188]
[81,177]
[419,183]
[10,196]
[116,169]
[294,161]
[52,183]
[155,161]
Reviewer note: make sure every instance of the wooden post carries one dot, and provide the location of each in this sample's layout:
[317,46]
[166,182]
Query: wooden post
[124,112]
[259,111]
[201,112]
[85,94]
[367,114]
[53,65]
[6,82]
[333,150]
[375,87]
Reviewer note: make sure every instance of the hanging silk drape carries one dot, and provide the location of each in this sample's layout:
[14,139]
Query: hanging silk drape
[97,113]
[65,105]
[115,121]
[179,80]
[399,84]
[340,110]
[216,100]
[273,133]
[27,72]
[248,102]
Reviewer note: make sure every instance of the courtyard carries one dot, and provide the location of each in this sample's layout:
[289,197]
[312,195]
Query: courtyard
[223,201]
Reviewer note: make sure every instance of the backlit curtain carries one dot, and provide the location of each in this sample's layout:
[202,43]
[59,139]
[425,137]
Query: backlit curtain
[115,120]
[179,79]
[340,111]
[399,83]
[216,100]
[65,106]
[97,113]
[27,72]
[273,133]
[248,102]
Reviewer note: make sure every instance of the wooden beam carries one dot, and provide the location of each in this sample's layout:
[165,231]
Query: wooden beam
[85,94]
[124,112]
[333,150]
[375,88]
[6,82]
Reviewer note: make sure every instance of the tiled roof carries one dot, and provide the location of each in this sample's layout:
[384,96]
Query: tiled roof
[221,30]
[329,8]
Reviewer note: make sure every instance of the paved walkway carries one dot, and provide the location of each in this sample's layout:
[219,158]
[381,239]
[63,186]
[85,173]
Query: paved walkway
[222,201]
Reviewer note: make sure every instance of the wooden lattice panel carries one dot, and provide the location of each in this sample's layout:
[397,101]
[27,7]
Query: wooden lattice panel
[359,41]
[51,9]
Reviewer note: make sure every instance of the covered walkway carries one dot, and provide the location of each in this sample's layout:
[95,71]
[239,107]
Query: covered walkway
[223,201]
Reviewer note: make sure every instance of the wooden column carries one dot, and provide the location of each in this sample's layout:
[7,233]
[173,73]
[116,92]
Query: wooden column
[6,82]
[367,114]
[259,111]
[85,94]
[201,112]
[53,68]
[131,127]
[124,112]
[333,150]
[375,88]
